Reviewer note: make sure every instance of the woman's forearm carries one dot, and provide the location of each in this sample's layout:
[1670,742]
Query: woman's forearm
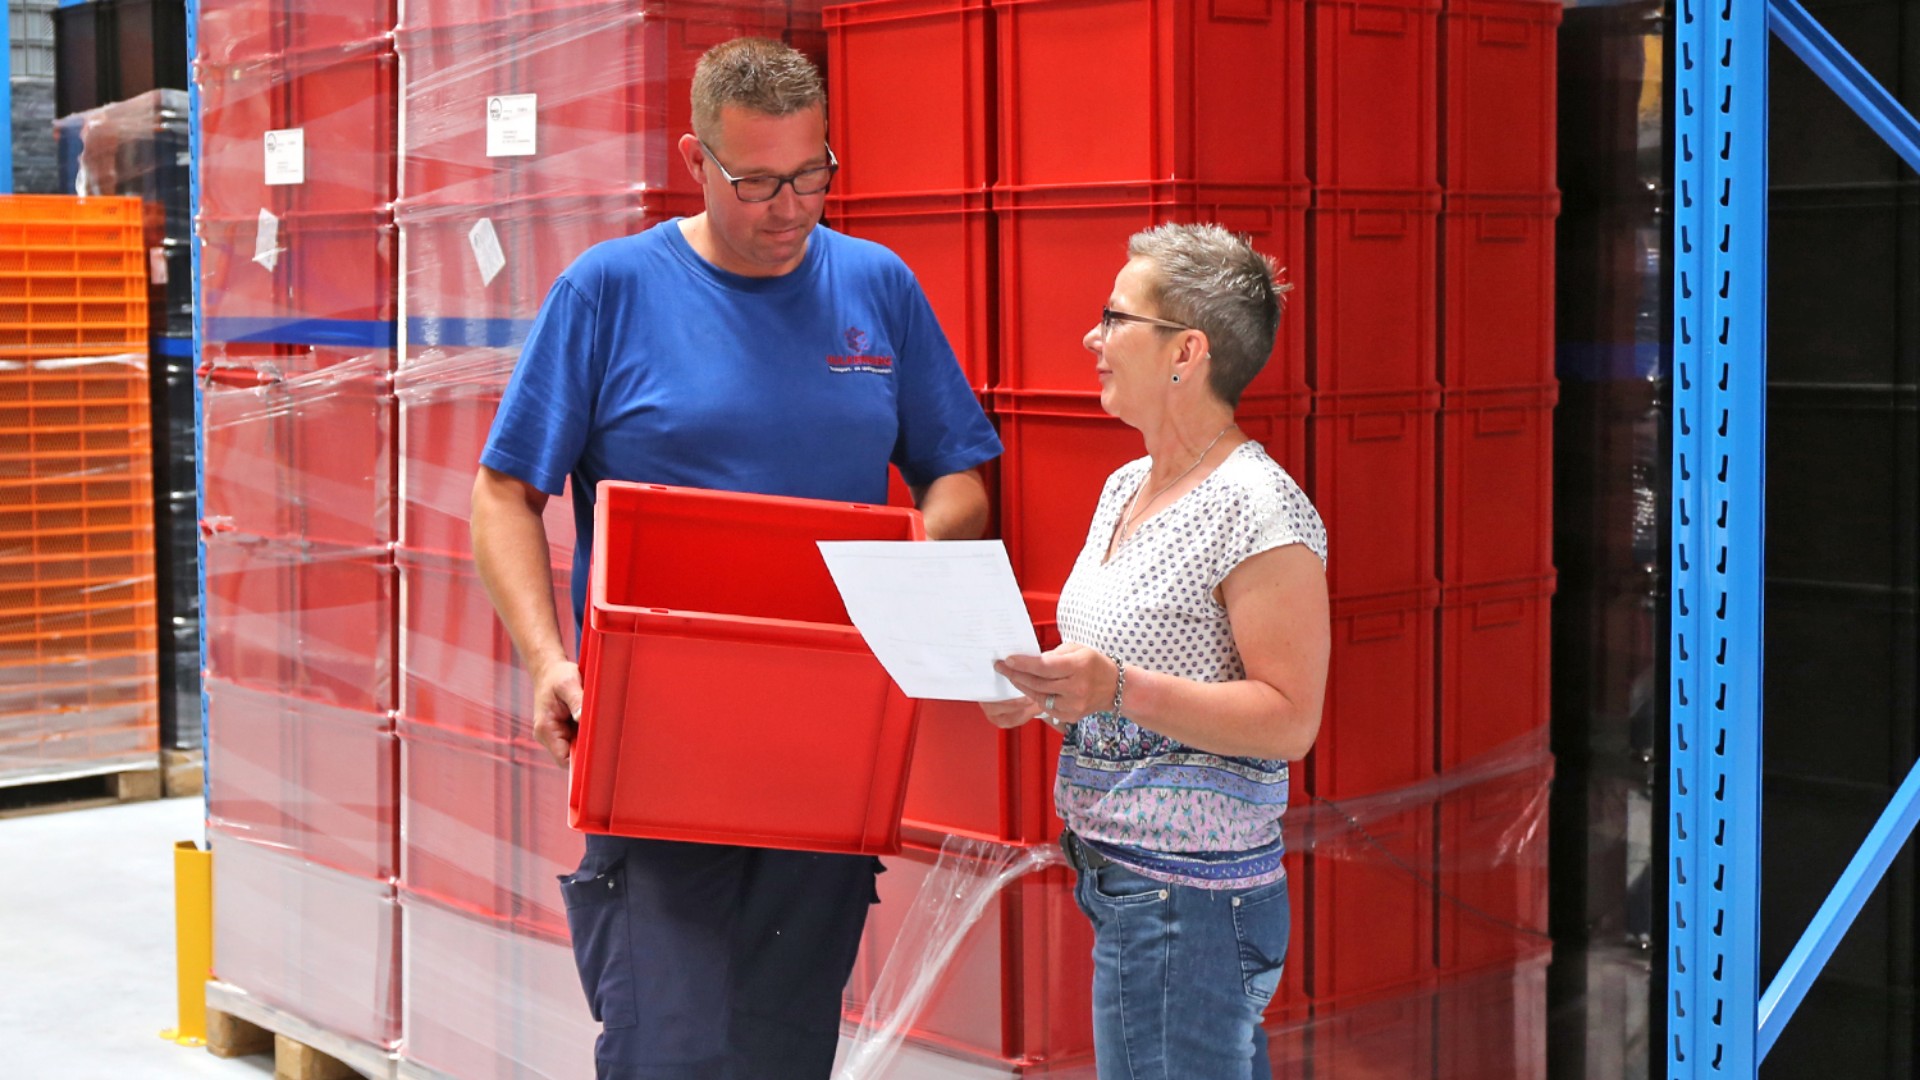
[1243,718]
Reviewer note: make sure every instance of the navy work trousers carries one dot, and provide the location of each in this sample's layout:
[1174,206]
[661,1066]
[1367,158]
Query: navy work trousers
[713,962]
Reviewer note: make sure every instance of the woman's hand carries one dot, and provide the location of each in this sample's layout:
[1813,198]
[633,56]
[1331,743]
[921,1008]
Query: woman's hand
[1069,682]
[1011,713]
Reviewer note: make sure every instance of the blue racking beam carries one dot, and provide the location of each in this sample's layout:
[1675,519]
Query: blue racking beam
[1718,559]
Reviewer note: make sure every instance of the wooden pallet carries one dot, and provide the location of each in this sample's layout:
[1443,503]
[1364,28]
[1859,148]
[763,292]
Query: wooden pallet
[182,773]
[136,783]
[239,1025]
[228,1036]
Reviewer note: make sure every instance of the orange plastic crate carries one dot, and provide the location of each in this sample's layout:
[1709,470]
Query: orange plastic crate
[109,286]
[64,260]
[74,569]
[109,381]
[715,633]
[73,339]
[81,644]
[70,209]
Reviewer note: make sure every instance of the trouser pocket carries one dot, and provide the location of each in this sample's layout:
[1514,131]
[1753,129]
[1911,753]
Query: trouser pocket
[1261,923]
[599,920]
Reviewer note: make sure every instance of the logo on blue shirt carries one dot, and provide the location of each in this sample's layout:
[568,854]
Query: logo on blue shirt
[855,360]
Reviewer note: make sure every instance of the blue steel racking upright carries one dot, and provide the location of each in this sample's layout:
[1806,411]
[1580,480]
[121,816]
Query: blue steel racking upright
[1718,1023]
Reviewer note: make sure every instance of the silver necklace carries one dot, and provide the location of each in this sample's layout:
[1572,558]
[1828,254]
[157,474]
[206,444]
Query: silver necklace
[1133,506]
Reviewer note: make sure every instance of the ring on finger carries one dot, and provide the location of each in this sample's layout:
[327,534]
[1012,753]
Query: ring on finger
[1047,705]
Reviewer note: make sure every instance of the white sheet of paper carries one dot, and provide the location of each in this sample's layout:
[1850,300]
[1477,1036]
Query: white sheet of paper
[936,615]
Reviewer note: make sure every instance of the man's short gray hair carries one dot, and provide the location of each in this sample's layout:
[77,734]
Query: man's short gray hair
[1215,282]
[760,74]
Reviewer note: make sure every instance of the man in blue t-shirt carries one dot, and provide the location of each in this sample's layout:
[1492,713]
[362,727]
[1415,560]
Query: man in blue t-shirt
[749,349]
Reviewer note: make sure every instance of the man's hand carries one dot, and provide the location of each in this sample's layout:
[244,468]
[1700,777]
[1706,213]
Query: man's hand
[557,698]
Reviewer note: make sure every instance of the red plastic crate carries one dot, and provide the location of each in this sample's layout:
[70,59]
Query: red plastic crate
[611,81]
[483,827]
[1377,734]
[239,31]
[448,397]
[1098,91]
[1372,290]
[1496,299]
[1493,870]
[1385,1037]
[1376,93]
[312,780]
[342,99]
[1501,95]
[301,617]
[299,443]
[715,604]
[1060,449]
[970,778]
[490,1001]
[336,268]
[1495,1027]
[319,944]
[538,238]
[911,65]
[1373,481]
[947,241]
[1495,659]
[458,668]
[1371,911]
[1061,247]
[1496,485]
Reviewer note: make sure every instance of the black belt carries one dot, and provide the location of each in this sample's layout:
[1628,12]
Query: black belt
[1081,856]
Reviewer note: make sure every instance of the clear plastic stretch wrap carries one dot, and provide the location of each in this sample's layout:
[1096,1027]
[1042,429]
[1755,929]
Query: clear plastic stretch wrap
[78,648]
[301,602]
[303,937]
[138,148]
[297,110]
[978,950]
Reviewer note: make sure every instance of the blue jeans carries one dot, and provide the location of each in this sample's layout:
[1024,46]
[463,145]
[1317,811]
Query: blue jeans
[1181,975]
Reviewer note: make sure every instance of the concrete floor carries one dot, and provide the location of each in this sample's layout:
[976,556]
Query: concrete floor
[86,964]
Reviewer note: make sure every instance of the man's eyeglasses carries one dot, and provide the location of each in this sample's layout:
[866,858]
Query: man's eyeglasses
[1108,317]
[759,189]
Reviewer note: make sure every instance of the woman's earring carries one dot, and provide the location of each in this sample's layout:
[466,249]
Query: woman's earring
[1176,378]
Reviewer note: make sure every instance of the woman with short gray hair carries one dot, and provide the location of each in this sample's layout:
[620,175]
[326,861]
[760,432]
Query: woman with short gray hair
[1193,669]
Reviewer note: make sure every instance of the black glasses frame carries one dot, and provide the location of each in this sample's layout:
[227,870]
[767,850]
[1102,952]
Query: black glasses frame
[792,180]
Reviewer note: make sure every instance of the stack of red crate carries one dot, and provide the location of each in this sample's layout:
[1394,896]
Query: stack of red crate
[1370,306]
[300,679]
[530,132]
[1397,157]
[297,315]
[1497,167]
[1061,129]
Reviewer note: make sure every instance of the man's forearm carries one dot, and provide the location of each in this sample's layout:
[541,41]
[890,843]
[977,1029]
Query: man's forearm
[511,552]
[954,507]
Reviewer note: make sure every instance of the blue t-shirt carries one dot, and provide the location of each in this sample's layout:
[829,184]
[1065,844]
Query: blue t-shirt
[648,363]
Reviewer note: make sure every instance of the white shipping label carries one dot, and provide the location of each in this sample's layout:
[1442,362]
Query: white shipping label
[157,265]
[266,241]
[287,156]
[486,250]
[510,125]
